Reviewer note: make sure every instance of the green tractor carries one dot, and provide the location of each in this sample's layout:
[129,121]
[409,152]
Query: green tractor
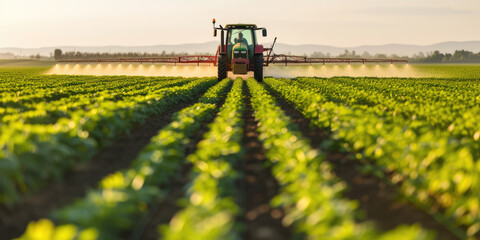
[239,52]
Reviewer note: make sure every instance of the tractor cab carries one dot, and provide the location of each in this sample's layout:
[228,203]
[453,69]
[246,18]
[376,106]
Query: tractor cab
[241,41]
[239,51]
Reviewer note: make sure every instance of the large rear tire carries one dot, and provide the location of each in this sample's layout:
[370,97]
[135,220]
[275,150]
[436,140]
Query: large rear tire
[222,67]
[258,71]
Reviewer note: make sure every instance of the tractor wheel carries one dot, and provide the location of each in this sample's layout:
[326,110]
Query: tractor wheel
[258,71]
[222,67]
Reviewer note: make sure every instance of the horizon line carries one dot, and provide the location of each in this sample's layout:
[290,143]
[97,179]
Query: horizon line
[303,44]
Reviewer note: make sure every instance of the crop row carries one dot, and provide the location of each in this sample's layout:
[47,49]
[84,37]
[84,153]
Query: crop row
[211,209]
[430,165]
[60,101]
[452,106]
[123,197]
[34,153]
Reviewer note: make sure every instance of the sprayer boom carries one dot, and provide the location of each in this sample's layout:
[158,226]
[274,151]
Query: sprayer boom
[172,60]
[206,59]
[286,59]
[239,52]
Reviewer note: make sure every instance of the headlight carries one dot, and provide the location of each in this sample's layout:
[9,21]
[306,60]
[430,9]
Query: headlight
[243,51]
[236,51]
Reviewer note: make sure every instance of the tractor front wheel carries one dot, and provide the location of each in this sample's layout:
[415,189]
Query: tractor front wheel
[222,67]
[258,71]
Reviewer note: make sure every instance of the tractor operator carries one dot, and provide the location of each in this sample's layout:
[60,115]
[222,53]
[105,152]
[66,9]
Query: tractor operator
[241,39]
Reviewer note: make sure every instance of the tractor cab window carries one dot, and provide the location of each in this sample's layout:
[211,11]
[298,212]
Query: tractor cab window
[233,37]
[240,36]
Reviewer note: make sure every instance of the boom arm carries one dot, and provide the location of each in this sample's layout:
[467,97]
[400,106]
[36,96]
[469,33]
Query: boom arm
[285,59]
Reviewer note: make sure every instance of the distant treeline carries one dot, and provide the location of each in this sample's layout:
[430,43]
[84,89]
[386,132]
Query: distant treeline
[59,55]
[353,54]
[459,56]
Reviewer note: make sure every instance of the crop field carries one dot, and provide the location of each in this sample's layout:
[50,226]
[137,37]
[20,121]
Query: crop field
[135,157]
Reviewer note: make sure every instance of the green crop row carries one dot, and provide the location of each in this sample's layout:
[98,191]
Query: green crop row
[31,154]
[211,210]
[452,106]
[48,106]
[123,197]
[430,165]
[310,193]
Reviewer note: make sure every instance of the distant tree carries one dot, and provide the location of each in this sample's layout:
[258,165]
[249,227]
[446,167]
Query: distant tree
[366,55]
[394,56]
[380,55]
[35,57]
[317,55]
[462,56]
[436,57]
[57,54]
[459,56]
[348,54]
[345,54]
[447,57]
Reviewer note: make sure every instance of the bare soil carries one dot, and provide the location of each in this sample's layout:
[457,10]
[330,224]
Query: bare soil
[262,221]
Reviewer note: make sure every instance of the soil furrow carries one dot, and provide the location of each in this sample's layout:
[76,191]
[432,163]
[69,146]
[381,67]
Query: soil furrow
[162,212]
[262,221]
[379,202]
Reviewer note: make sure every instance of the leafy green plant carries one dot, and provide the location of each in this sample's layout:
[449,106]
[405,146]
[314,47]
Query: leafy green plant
[211,210]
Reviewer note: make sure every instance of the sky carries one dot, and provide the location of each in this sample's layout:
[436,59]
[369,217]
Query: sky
[341,23]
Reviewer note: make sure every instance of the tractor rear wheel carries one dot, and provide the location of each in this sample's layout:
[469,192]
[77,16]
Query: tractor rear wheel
[258,71]
[222,67]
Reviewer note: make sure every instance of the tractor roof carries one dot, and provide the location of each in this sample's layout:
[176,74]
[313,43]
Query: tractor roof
[240,25]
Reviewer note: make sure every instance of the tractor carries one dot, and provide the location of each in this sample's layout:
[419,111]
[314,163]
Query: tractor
[239,52]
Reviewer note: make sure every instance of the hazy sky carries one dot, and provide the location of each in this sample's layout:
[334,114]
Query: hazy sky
[343,23]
